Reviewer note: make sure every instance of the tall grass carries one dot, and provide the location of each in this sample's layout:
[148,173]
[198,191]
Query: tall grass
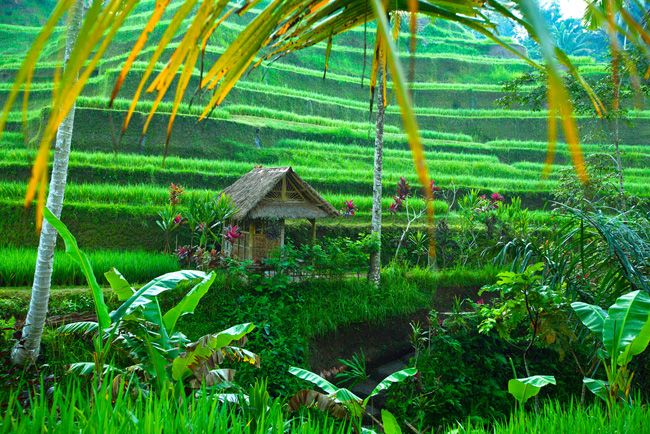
[71,409]
[557,419]
[17,266]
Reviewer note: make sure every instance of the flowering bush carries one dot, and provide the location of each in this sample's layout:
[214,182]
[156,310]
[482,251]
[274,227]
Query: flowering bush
[402,194]
[231,234]
[349,209]
[175,193]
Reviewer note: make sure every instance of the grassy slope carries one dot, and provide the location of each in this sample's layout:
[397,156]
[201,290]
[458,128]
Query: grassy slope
[314,125]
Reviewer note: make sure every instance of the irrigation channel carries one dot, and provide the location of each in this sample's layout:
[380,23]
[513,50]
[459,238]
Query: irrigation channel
[386,346]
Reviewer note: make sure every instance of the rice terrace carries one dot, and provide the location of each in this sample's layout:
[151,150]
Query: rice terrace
[325,216]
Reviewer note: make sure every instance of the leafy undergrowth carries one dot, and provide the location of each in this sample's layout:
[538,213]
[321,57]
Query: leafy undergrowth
[287,315]
[557,419]
[69,408]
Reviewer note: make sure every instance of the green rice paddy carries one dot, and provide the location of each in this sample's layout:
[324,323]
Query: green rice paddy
[321,128]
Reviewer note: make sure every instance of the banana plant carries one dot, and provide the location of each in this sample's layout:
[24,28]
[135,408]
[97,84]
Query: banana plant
[150,337]
[624,331]
[339,402]
[525,388]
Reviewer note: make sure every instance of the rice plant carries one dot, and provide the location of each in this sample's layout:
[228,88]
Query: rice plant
[17,266]
[555,418]
[107,408]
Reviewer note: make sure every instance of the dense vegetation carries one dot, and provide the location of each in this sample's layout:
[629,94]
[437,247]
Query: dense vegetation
[540,264]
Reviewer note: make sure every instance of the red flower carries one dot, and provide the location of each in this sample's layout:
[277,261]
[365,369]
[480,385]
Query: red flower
[496,197]
[349,209]
[257,167]
[231,234]
[178,220]
[480,302]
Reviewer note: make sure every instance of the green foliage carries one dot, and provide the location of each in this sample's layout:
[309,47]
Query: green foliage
[117,406]
[556,418]
[150,337]
[340,402]
[465,374]
[17,266]
[525,388]
[624,331]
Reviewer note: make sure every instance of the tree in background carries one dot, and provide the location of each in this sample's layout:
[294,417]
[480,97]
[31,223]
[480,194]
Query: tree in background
[27,347]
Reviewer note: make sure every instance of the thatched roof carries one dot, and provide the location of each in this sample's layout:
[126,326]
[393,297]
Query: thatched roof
[256,196]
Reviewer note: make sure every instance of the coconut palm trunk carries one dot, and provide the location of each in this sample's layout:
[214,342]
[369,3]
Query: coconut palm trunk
[374,275]
[27,348]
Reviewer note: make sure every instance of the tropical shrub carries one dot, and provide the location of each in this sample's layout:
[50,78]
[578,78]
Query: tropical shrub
[152,339]
[624,331]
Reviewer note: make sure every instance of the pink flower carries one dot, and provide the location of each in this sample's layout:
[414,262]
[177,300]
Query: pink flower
[349,209]
[178,220]
[396,206]
[480,302]
[231,234]
[496,197]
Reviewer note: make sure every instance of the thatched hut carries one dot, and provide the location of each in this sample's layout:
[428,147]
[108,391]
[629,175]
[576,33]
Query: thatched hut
[265,197]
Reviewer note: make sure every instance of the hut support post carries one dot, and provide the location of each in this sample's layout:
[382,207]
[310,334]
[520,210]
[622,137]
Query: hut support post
[313,231]
[251,234]
[281,233]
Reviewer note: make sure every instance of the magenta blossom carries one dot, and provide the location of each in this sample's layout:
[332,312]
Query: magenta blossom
[496,197]
[434,189]
[178,220]
[396,206]
[231,234]
[349,209]
[480,301]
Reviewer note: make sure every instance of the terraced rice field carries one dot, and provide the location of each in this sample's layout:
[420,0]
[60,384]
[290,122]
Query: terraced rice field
[320,127]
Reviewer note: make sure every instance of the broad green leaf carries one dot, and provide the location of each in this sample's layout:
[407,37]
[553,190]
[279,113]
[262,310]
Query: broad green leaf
[626,318]
[346,396]
[80,258]
[525,388]
[638,345]
[158,363]
[390,423]
[597,387]
[352,403]
[315,379]
[148,292]
[120,286]
[198,353]
[396,377]
[188,303]
[593,317]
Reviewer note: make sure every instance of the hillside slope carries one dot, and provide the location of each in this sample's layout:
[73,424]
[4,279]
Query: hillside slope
[320,127]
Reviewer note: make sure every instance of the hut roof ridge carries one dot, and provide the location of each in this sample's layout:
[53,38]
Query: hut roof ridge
[249,191]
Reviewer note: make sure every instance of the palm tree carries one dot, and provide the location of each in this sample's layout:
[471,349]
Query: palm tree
[374,272]
[28,346]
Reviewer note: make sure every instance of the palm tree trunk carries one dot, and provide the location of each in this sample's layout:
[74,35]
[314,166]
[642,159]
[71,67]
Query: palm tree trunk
[374,275]
[27,348]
